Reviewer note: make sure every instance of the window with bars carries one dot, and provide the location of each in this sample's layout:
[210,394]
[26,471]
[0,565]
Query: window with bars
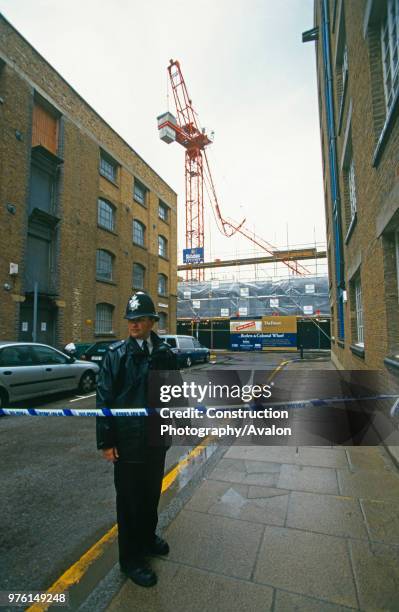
[162,284]
[138,276]
[104,318]
[390,51]
[139,192]
[162,246]
[163,211]
[108,168]
[106,215]
[359,312]
[104,265]
[352,188]
[138,233]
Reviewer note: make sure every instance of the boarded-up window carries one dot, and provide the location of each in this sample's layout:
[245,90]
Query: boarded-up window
[44,129]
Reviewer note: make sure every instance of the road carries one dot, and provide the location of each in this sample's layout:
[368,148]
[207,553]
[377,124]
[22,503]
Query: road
[57,492]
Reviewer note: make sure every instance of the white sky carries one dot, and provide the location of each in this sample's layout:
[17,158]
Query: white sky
[251,80]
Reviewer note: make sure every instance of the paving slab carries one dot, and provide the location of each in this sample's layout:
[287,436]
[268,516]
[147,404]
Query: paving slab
[376,570]
[247,472]
[369,484]
[382,520]
[232,500]
[279,454]
[330,514]
[307,478]
[368,458]
[255,491]
[224,545]
[306,563]
[181,588]
[291,602]
[322,457]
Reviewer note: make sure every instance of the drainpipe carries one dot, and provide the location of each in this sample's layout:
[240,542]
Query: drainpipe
[311,35]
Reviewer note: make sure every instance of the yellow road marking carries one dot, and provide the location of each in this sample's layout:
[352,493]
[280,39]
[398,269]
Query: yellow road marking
[74,574]
[171,476]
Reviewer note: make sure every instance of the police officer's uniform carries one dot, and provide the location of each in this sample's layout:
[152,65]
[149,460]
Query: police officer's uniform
[138,472]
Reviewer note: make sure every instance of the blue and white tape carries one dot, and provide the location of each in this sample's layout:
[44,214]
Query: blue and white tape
[101,412]
[74,412]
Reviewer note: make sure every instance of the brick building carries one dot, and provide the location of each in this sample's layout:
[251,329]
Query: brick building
[82,215]
[357,52]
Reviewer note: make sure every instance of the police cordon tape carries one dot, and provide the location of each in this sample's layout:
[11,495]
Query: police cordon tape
[104,412]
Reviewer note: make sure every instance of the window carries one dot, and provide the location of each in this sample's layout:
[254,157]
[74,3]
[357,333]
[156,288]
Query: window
[139,192]
[344,66]
[42,189]
[138,276]
[162,284]
[104,264]
[43,355]
[359,311]
[163,211]
[104,318]
[108,167]
[352,188]
[106,215]
[162,246]
[15,356]
[390,51]
[138,233]
[186,343]
[40,254]
[397,257]
[163,323]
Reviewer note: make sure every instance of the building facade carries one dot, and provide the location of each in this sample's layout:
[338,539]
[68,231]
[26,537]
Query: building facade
[83,219]
[357,52]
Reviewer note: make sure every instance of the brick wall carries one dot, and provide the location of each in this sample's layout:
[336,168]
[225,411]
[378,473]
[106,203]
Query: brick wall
[374,184]
[82,134]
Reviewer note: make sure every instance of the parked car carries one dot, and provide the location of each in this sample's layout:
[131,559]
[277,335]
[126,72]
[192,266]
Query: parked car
[96,352]
[187,350]
[29,369]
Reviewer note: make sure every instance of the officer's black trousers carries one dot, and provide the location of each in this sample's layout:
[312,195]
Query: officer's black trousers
[138,488]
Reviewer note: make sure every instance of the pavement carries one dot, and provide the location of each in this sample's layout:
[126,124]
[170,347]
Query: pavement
[277,528]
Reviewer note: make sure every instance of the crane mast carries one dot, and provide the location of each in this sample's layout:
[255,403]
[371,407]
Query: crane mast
[185,129]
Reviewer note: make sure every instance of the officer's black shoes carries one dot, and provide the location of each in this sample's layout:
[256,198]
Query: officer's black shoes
[158,547]
[141,574]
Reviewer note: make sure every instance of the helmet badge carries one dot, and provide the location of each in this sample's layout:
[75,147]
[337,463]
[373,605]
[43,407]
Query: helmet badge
[134,303]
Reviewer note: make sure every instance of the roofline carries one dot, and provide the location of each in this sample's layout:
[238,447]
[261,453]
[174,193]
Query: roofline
[83,100]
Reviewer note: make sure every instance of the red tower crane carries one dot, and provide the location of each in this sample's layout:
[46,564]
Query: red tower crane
[185,129]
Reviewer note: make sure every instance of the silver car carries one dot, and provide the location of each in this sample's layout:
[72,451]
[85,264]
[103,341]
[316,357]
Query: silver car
[29,369]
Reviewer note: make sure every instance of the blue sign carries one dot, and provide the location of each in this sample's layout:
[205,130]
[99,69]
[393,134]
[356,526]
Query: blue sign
[262,341]
[193,256]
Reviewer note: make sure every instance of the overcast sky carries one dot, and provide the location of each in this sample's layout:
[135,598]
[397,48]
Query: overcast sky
[251,80]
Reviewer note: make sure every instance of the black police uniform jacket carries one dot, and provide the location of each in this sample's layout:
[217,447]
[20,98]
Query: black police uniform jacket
[123,383]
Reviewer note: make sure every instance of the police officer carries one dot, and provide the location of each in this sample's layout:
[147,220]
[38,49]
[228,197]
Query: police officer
[134,443]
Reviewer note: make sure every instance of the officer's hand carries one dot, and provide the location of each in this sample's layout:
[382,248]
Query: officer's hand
[110,454]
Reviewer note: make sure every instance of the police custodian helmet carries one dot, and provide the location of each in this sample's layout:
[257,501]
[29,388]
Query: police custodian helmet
[140,305]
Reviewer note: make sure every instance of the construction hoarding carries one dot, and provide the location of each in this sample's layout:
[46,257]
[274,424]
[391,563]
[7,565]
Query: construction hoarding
[277,333]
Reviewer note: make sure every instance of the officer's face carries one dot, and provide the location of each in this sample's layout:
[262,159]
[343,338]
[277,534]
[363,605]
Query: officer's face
[140,328]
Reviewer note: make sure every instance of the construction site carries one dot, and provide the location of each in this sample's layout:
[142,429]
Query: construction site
[270,299]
